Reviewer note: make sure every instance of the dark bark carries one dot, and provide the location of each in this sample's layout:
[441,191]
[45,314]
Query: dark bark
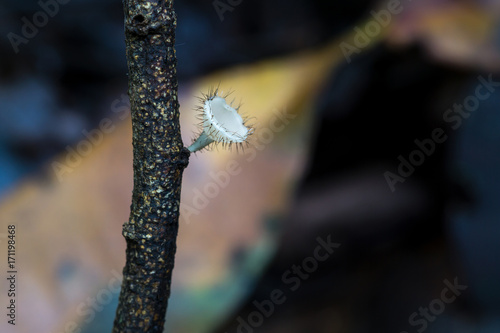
[159,160]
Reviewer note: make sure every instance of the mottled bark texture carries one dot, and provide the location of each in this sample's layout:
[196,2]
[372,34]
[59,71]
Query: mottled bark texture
[159,160]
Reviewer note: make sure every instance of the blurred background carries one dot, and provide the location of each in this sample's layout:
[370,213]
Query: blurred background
[367,201]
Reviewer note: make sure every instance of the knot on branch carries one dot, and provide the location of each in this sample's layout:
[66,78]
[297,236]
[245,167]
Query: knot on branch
[150,20]
[182,159]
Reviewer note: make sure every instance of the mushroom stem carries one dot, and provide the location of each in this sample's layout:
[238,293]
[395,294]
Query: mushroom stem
[201,142]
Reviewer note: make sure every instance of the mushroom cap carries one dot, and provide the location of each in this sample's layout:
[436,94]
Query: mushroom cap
[222,123]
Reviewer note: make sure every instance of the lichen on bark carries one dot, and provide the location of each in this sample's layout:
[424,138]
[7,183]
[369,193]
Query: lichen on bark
[159,161]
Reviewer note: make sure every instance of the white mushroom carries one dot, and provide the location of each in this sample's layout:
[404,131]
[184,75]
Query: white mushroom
[220,123]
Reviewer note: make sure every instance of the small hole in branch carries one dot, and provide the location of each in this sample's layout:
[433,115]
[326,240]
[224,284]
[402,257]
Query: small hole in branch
[139,18]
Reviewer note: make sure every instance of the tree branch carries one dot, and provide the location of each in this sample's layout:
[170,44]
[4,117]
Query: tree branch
[159,160]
